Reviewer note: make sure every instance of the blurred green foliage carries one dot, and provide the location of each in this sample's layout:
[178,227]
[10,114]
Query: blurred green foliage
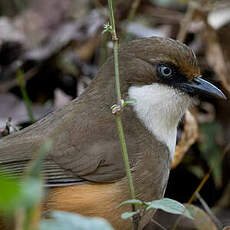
[165,204]
[10,193]
[210,148]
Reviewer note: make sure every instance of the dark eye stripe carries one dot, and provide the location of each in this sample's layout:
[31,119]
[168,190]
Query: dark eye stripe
[169,74]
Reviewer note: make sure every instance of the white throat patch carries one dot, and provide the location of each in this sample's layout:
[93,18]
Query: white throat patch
[160,108]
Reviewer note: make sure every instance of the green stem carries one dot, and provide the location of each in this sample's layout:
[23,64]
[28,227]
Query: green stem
[116,66]
[25,95]
[118,91]
[118,114]
[115,51]
[125,155]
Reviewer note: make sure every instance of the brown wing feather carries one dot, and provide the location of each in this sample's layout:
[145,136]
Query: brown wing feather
[83,149]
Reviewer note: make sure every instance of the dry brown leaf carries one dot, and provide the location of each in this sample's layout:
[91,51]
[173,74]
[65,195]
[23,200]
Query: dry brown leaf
[215,56]
[226,228]
[189,136]
[201,219]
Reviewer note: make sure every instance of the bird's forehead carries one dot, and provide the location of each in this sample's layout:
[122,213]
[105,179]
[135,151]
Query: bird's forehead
[180,55]
[165,50]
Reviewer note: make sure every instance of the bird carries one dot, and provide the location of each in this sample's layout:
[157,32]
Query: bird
[84,170]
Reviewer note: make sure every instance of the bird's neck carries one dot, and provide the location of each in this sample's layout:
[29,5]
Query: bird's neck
[160,109]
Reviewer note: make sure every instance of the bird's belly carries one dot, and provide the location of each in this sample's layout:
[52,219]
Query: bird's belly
[100,200]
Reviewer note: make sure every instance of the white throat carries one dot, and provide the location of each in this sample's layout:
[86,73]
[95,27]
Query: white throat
[160,108]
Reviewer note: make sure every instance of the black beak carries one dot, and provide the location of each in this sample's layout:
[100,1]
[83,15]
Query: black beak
[200,87]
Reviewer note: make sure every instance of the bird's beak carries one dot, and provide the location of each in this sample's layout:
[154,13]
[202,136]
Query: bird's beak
[200,87]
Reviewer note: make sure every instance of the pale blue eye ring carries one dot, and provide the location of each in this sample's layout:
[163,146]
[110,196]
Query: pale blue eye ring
[165,71]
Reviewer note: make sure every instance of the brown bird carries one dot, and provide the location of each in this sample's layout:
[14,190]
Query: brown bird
[85,169]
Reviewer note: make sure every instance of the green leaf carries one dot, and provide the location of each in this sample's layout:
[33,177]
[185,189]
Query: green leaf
[70,221]
[169,205]
[130,101]
[127,215]
[107,28]
[134,202]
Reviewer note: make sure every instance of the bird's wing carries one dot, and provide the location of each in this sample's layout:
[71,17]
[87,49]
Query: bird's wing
[67,163]
[52,173]
[71,166]
[85,148]
[89,147]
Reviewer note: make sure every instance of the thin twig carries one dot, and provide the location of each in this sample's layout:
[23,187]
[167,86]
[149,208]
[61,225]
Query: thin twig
[209,211]
[158,224]
[119,106]
[185,23]
[6,86]
[131,15]
[218,160]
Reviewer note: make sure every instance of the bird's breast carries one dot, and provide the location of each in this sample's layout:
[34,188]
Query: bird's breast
[160,109]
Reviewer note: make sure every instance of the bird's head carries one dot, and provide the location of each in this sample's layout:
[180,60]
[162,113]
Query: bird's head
[163,77]
[169,63]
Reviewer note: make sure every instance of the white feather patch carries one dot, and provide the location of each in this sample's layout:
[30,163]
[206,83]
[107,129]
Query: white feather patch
[160,108]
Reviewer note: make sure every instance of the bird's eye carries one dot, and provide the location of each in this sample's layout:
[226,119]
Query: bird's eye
[165,71]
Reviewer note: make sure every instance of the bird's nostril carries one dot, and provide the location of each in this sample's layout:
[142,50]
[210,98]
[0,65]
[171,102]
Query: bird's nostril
[196,80]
